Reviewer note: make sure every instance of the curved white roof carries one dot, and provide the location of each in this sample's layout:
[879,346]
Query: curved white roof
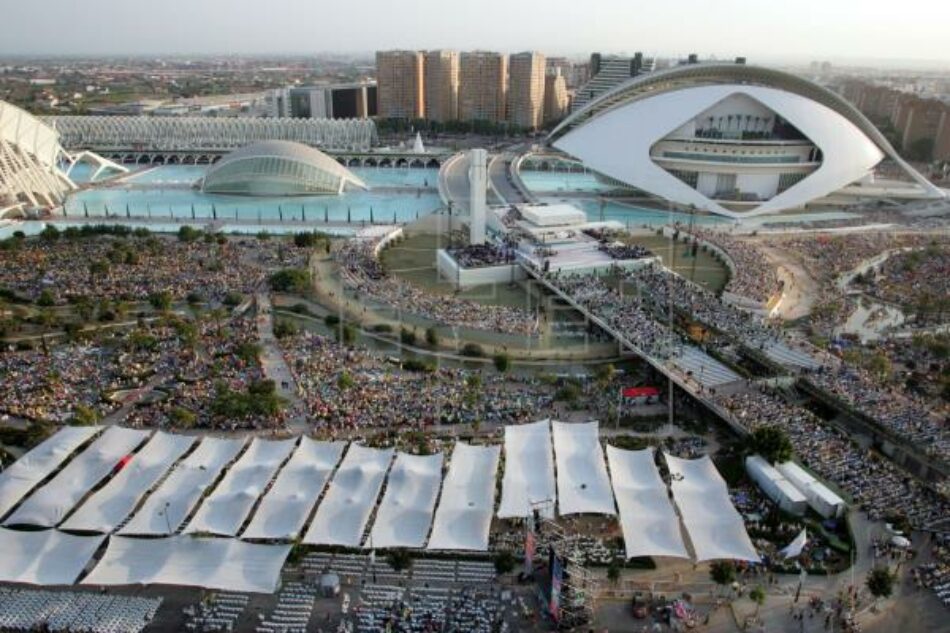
[29,157]
[615,133]
[275,167]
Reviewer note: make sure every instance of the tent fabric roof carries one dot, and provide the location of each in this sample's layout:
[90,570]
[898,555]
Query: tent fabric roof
[19,478]
[230,503]
[405,513]
[342,515]
[650,525]
[529,471]
[286,506]
[226,564]
[715,527]
[583,485]
[111,504]
[45,557]
[50,504]
[168,506]
[463,518]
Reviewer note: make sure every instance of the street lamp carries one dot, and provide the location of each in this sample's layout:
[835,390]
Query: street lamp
[164,512]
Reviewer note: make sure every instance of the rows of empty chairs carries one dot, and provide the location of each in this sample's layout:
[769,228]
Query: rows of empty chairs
[388,607]
[220,612]
[427,570]
[475,611]
[74,612]
[292,612]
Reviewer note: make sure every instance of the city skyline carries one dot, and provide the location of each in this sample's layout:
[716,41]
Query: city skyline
[845,31]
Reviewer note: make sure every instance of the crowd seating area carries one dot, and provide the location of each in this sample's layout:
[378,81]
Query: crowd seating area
[873,482]
[218,612]
[375,393]
[424,570]
[481,255]
[295,602]
[754,277]
[23,610]
[362,273]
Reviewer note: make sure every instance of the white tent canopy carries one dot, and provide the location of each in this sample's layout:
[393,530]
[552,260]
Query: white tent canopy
[405,513]
[344,512]
[582,482]
[109,506]
[167,508]
[650,525]
[463,519]
[228,505]
[50,504]
[214,563]
[45,557]
[529,471]
[288,503]
[714,526]
[24,474]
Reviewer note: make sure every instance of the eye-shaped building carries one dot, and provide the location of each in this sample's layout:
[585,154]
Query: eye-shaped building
[735,140]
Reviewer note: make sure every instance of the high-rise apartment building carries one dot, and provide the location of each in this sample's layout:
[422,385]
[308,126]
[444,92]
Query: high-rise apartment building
[526,90]
[441,85]
[483,80]
[556,100]
[608,72]
[331,101]
[400,84]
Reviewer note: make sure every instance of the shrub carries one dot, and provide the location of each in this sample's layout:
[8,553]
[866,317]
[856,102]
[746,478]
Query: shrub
[473,350]
[502,362]
[407,336]
[290,280]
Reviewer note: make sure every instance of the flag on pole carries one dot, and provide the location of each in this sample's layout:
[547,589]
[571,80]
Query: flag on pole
[794,549]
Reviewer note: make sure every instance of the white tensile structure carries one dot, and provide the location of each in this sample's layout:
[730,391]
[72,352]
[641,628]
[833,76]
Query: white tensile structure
[230,503]
[50,504]
[167,507]
[30,158]
[583,485]
[213,563]
[405,513]
[821,498]
[463,518]
[715,527]
[528,483]
[111,504]
[174,133]
[44,557]
[650,525]
[342,516]
[19,478]
[775,485]
[736,141]
[285,507]
[278,168]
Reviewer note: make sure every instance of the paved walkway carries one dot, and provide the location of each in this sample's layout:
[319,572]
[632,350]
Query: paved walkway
[273,364]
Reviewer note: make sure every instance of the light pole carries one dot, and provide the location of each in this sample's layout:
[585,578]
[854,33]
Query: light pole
[164,513]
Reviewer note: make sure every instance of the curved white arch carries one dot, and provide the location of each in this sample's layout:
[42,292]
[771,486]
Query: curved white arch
[29,160]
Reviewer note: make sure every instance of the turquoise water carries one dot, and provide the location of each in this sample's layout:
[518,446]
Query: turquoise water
[82,173]
[632,216]
[373,176]
[548,182]
[173,197]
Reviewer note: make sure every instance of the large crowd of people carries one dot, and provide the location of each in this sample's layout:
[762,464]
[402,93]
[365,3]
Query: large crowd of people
[362,272]
[873,482]
[917,280]
[348,388]
[134,268]
[752,276]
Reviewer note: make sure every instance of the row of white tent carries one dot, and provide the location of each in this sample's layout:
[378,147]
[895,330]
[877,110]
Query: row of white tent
[272,487]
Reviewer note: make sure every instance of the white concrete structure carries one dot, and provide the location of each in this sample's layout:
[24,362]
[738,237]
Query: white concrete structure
[731,139]
[177,133]
[478,191]
[30,158]
[278,168]
[821,499]
[775,485]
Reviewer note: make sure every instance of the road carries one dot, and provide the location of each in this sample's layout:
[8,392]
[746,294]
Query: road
[274,365]
[454,176]
[498,175]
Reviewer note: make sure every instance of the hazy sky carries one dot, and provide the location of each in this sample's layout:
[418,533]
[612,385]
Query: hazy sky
[760,29]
